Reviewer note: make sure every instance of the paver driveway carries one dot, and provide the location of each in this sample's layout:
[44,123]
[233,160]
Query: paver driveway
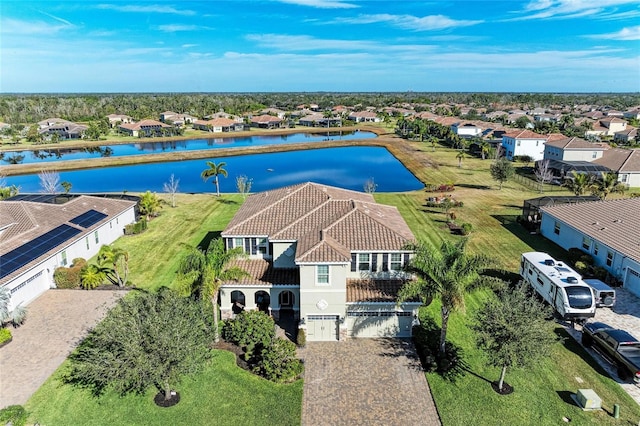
[56,322]
[365,382]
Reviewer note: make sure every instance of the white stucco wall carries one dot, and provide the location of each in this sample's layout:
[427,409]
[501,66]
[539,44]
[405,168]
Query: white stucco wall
[516,147]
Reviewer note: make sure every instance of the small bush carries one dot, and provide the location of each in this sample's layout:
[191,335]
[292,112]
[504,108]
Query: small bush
[15,414]
[69,277]
[18,315]
[581,267]
[136,228]
[600,273]
[79,263]
[575,254]
[301,338]
[466,228]
[251,330]
[5,335]
[278,361]
[587,259]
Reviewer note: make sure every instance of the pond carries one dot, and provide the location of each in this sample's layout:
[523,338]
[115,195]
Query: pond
[147,146]
[348,167]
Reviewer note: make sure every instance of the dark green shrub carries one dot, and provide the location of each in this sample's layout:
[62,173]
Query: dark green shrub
[466,228]
[587,259]
[136,228]
[251,330]
[575,254]
[600,273]
[278,361]
[5,335]
[301,338]
[16,414]
[69,277]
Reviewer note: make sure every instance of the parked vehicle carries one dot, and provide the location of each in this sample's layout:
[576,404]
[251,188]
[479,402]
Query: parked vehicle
[605,295]
[558,285]
[617,346]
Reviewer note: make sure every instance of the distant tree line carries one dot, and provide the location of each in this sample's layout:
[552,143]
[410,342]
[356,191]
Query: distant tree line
[30,108]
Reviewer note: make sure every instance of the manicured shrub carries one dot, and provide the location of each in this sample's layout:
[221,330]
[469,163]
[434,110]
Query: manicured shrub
[69,277]
[466,228]
[18,315]
[278,361]
[581,267]
[251,330]
[5,335]
[136,228]
[14,414]
[301,338]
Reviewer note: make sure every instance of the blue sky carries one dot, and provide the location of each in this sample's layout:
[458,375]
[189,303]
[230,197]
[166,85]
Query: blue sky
[320,45]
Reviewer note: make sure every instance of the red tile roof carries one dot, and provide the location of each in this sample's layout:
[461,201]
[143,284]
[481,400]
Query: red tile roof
[524,134]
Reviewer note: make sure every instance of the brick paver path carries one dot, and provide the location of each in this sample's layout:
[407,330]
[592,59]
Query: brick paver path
[365,382]
[56,322]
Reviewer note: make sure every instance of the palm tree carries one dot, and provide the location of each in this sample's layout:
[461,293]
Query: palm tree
[214,170]
[447,272]
[607,184]
[485,149]
[201,273]
[460,157]
[578,183]
[111,258]
[91,276]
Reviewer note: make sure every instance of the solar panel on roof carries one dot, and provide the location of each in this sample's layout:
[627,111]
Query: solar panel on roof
[19,257]
[88,218]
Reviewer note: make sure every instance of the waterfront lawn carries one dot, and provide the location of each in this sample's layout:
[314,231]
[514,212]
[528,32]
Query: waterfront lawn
[154,255]
[224,394]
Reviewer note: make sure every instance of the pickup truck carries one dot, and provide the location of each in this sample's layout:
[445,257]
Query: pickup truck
[617,346]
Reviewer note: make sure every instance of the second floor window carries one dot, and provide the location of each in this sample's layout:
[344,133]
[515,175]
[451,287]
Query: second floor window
[364,262]
[322,274]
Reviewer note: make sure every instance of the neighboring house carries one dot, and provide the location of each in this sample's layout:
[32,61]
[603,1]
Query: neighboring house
[319,120]
[266,122]
[625,162]
[218,125]
[177,119]
[626,136]
[117,119]
[551,118]
[607,230]
[524,142]
[144,128]
[467,130]
[607,127]
[274,111]
[36,237]
[632,114]
[573,149]
[364,117]
[63,128]
[330,257]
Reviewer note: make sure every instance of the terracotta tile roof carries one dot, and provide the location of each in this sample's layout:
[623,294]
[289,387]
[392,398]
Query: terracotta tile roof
[615,223]
[324,220]
[576,143]
[620,160]
[524,134]
[265,119]
[262,272]
[373,290]
[143,123]
[28,220]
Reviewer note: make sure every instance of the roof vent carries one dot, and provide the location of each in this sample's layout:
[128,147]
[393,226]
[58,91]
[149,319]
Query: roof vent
[572,280]
[549,262]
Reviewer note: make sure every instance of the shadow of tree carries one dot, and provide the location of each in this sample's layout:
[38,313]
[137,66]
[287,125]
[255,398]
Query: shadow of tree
[473,186]
[206,240]
[396,348]
[535,241]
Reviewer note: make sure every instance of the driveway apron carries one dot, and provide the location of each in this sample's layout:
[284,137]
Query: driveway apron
[365,382]
[56,322]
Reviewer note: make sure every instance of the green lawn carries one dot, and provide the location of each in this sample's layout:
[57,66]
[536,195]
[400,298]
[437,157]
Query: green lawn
[223,394]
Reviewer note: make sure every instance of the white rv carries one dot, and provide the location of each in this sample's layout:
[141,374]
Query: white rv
[559,285]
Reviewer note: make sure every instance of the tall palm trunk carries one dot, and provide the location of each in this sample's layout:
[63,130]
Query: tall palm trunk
[217,186]
[443,331]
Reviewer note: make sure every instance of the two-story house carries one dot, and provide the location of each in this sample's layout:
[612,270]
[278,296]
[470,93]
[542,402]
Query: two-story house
[524,142]
[330,257]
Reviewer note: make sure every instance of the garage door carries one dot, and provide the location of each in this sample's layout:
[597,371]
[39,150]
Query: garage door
[322,327]
[632,281]
[29,289]
[379,324]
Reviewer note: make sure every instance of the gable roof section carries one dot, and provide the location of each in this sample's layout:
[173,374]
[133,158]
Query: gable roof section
[324,220]
[615,223]
[621,160]
[524,134]
[576,143]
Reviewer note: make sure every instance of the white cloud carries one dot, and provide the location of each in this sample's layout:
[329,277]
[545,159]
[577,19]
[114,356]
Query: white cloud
[321,4]
[152,8]
[186,46]
[174,28]
[409,22]
[568,9]
[631,33]
[308,43]
[16,26]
